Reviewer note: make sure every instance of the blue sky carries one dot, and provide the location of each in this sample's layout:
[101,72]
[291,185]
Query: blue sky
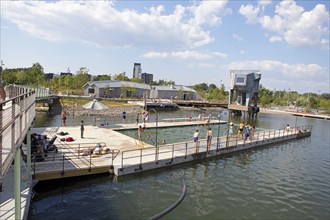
[188,42]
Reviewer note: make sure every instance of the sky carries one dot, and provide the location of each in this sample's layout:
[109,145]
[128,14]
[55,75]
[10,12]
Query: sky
[189,42]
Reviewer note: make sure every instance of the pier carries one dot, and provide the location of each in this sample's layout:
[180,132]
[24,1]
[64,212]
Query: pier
[127,156]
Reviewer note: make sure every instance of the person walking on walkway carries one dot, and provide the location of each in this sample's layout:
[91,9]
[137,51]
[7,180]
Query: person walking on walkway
[208,139]
[82,128]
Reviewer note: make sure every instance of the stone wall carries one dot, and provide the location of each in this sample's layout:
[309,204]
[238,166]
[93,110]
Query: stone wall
[111,111]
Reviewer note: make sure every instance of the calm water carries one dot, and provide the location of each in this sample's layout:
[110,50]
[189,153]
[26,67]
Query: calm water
[283,181]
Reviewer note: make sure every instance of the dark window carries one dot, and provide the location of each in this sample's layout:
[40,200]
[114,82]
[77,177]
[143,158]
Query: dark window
[91,90]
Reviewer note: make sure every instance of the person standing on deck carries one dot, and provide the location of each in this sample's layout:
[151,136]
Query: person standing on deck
[82,128]
[231,128]
[208,138]
[124,117]
[137,119]
[196,134]
[140,131]
[63,116]
[240,129]
[246,133]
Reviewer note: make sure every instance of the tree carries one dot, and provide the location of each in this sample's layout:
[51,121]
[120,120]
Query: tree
[137,80]
[36,75]
[121,76]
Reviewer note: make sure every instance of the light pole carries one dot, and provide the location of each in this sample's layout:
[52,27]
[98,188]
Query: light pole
[156,144]
[219,129]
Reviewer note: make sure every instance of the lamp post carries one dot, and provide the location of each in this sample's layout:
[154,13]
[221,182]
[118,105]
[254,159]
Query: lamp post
[156,144]
[219,130]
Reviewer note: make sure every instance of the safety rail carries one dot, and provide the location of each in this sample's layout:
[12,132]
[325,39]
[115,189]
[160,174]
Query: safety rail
[70,152]
[16,116]
[132,158]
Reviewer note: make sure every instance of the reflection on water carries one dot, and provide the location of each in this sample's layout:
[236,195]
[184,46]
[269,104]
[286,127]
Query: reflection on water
[282,181]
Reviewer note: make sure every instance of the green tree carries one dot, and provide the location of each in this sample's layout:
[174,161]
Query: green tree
[36,75]
[121,77]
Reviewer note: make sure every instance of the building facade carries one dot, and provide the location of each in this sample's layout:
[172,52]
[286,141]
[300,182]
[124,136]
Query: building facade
[137,70]
[147,78]
[125,89]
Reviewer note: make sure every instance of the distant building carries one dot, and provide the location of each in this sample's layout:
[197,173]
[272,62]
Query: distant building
[122,89]
[147,78]
[244,87]
[65,74]
[49,76]
[137,70]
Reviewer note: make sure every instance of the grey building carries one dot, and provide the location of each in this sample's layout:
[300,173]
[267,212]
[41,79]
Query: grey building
[122,89]
[115,89]
[244,87]
[173,92]
[147,78]
[137,70]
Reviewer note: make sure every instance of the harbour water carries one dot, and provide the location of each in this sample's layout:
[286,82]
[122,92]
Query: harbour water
[284,181]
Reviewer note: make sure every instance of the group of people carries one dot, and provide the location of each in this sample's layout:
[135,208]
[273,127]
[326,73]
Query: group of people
[209,136]
[245,131]
[145,117]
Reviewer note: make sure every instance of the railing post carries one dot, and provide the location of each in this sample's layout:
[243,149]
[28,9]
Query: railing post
[263,137]
[122,159]
[90,163]
[141,157]
[62,165]
[172,152]
[78,151]
[186,151]
[197,147]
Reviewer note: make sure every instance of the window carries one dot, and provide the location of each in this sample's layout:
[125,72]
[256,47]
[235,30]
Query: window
[240,80]
[91,90]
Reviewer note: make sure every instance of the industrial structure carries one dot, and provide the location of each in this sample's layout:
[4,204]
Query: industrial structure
[243,94]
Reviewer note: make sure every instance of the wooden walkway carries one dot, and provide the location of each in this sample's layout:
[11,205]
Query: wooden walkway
[127,156]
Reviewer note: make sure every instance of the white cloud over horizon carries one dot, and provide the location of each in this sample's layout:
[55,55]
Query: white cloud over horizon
[197,40]
[104,25]
[292,23]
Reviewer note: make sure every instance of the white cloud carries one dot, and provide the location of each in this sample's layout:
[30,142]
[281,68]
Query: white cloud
[207,12]
[276,74]
[201,65]
[292,23]
[237,37]
[275,39]
[285,69]
[243,52]
[101,24]
[196,55]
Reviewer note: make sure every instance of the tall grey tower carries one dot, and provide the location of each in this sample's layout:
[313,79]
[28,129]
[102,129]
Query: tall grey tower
[137,70]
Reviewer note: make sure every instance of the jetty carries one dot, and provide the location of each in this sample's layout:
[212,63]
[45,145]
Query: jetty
[126,155]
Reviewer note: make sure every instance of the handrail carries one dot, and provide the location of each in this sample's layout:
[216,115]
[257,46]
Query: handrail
[188,148]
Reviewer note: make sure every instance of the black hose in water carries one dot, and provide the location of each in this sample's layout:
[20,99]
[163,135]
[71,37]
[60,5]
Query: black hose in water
[170,208]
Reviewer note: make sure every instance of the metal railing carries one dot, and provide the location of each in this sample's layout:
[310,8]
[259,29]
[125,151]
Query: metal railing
[71,152]
[184,149]
[16,116]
